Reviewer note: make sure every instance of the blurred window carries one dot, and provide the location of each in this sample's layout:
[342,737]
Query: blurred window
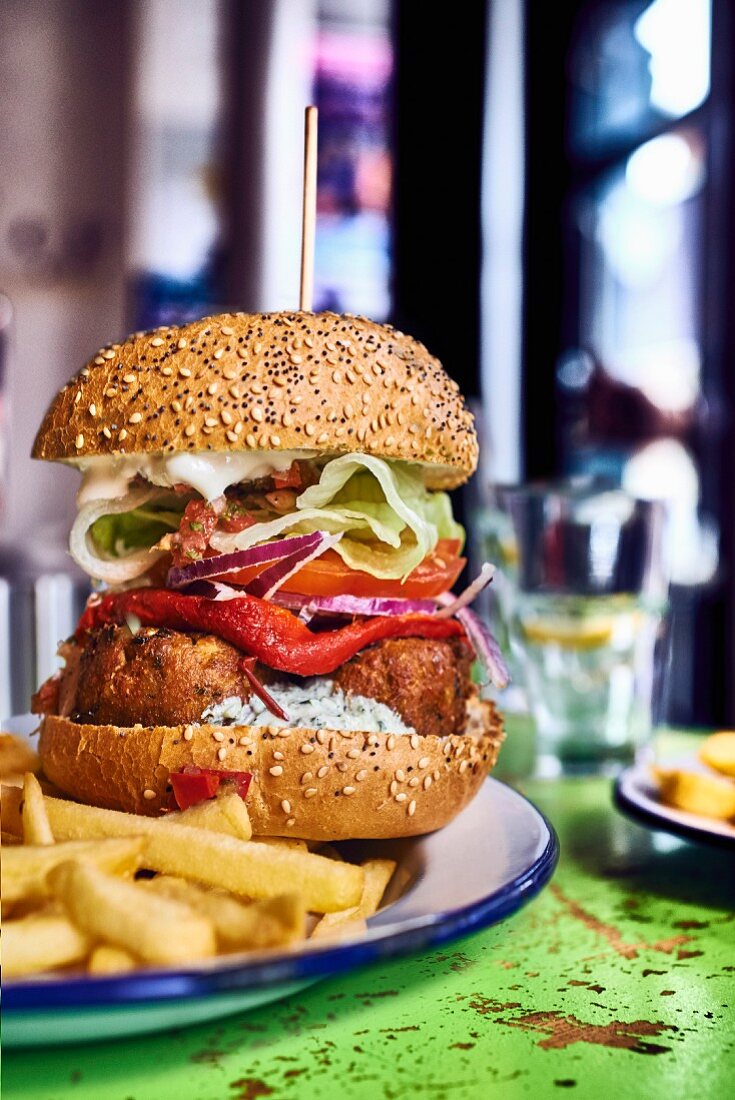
[352,83]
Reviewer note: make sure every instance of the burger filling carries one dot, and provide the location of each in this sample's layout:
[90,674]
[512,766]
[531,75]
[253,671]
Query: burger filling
[270,589]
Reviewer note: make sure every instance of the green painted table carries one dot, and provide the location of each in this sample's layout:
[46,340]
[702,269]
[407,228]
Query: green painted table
[617,981]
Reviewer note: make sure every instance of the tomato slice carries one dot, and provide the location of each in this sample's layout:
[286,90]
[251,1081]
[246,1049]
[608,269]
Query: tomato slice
[329,576]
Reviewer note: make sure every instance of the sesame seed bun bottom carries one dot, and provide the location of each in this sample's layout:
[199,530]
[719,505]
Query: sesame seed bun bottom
[313,784]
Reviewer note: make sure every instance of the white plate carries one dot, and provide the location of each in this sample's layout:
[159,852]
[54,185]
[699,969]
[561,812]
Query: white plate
[636,793]
[481,867]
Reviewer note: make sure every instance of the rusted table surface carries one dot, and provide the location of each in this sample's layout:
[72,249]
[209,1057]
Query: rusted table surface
[617,981]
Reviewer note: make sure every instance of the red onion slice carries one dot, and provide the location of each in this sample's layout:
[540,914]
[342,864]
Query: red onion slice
[486,648]
[270,580]
[222,564]
[369,606]
[451,608]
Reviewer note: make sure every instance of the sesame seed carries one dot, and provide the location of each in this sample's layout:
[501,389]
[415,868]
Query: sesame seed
[238,428]
[361,433]
[176,406]
[218,735]
[219,353]
[276,440]
[93,409]
[109,354]
[291,821]
[348,790]
[464,764]
[99,360]
[309,792]
[188,733]
[306,748]
[308,340]
[221,753]
[350,376]
[424,762]
[231,436]
[286,806]
[182,342]
[245,741]
[310,429]
[210,421]
[401,775]
[276,770]
[156,342]
[322,437]
[297,399]
[278,756]
[427,782]
[437,773]
[415,741]
[412,807]
[212,387]
[336,376]
[249,438]
[322,736]
[226,330]
[393,786]
[78,397]
[135,418]
[130,378]
[107,433]
[257,348]
[79,441]
[353,754]
[184,372]
[226,416]
[391,742]
[306,777]
[362,774]
[189,430]
[230,373]
[287,420]
[401,796]
[167,371]
[257,413]
[322,771]
[148,794]
[110,392]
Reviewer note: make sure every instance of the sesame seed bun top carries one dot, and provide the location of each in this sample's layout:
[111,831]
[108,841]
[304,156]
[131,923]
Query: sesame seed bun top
[266,381]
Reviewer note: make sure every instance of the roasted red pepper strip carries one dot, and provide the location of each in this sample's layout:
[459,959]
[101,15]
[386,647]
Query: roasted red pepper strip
[273,635]
[193,785]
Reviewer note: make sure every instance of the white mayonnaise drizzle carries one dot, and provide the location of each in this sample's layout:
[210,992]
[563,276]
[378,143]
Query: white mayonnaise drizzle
[209,473]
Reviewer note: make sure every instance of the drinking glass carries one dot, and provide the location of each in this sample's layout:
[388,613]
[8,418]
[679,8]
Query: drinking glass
[588,601]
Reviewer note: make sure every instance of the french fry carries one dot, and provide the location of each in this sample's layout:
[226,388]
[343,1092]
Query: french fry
[157,929]
[16,757]
[11,801]
[282,842]
[24,868]
[378,873]
[227,813]
[274,922]
[707,795]
[41,942]
[36,828]
[215,859]
[718,751]
[106,959]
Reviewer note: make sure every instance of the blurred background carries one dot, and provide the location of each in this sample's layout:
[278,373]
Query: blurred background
[544,197]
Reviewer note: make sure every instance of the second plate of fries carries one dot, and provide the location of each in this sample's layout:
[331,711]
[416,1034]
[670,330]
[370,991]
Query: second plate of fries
[115,924]
[693,797]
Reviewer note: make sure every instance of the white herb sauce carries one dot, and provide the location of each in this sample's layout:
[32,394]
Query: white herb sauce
[314,704]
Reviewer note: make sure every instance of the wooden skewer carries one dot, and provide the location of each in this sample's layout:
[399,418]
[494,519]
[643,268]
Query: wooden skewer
[308,216]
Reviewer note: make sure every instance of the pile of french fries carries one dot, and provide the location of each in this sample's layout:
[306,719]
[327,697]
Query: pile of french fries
[710,794]
[85,888]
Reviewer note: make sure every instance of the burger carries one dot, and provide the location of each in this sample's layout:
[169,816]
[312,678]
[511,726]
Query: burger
[264,512]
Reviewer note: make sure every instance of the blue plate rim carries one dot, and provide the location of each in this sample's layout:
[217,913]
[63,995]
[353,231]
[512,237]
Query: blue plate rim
[422,932]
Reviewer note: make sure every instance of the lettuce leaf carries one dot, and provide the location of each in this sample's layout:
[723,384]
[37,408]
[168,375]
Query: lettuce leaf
[388,520]
[117,535]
